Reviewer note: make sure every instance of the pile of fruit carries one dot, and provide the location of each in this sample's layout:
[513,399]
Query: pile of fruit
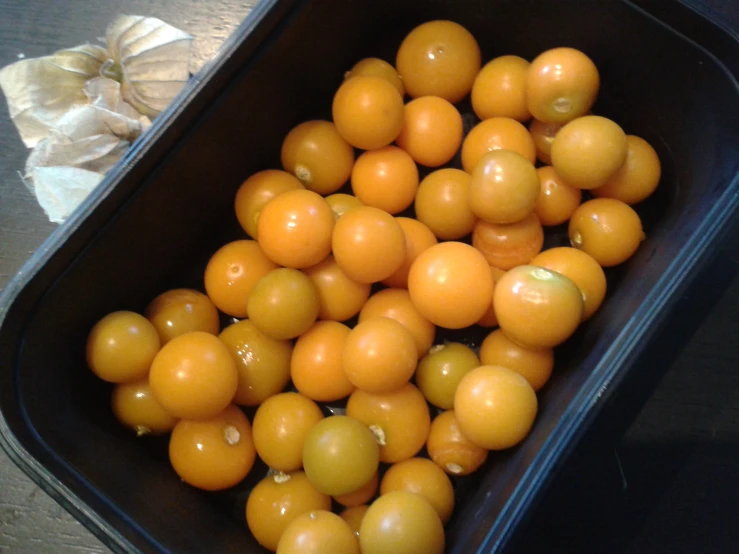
[341,297]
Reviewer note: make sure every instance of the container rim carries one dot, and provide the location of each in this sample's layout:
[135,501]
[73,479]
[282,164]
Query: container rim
[590,397]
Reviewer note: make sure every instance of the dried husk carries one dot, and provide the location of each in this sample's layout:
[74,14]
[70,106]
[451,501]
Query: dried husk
[61,189]
[150,58]
[40,91]
[81,108]
[91,138]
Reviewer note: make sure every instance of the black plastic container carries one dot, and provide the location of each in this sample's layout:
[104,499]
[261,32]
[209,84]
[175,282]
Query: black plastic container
[668,75]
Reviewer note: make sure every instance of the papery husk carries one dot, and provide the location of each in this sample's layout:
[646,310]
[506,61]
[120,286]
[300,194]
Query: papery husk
[106,93]
[90,138]
[96,153]
[60,190]
[40,91]
[86,134]
[81,108]
[150,58]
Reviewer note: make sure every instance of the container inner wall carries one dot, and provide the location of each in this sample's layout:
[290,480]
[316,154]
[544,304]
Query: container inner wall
[655,84]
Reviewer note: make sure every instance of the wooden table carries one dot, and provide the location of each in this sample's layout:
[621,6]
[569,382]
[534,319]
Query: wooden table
[695,410]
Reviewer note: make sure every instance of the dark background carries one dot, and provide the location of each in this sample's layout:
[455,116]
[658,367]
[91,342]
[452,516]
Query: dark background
[670,485]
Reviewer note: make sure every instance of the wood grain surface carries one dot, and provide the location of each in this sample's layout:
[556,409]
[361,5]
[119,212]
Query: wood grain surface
[679,458]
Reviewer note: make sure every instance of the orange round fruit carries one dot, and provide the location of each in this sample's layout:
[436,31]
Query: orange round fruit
[397,304]
[379,355]
[504,187]
[418,238]
[341,203]
[256,191]
[295,229]
[584,271]
[179,311]
[432,131]
[368,244]
[135,406]
[284,304]
[385,178]
[607,229]
[399,419]
[213,454]
[340,297]
[375,67]
[443,203]
[441,370]
[439,58]
[354,516]
[533,365]
[497,133]
[368,112]
[232,273]
[451,285]
[318,532]
[263,363]
[557,200]
[424,477]
[316,366]
[340,455]
[489,319]
[638,177]
[281,424]
[543,135]
[318,156]
[499,89]
[362,495]
[562,84]
[194,376]
[450,449]
[276,501]
[507,246]
[121,347]
[536,307]
[495,407]
[401,521]
[588,151]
